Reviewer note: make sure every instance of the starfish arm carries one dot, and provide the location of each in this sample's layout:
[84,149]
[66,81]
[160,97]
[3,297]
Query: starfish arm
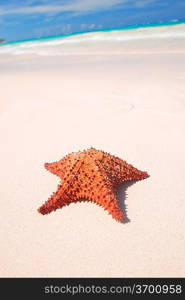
[109,202]
[119,170]
[128,172]
[65,193]
[60,167]
[57,200]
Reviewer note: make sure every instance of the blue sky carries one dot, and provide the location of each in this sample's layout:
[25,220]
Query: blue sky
[24,19]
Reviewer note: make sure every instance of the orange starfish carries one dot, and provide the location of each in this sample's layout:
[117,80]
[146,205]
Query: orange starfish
[90,175]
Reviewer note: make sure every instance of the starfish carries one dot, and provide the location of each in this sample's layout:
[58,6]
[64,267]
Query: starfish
[90,175]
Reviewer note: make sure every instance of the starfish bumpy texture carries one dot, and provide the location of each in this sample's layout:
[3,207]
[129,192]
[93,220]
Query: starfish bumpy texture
[90,175]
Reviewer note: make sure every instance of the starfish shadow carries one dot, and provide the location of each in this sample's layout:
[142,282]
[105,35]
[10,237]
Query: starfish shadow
[121,192]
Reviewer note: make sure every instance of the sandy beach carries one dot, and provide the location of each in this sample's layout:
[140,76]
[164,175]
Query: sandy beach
[131,105]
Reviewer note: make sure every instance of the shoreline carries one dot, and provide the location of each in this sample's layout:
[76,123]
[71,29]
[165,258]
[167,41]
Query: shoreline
[126,27]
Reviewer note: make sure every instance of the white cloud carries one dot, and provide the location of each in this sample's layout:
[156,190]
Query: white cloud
[93,5]
[144,3]
[78,6]
[75,7]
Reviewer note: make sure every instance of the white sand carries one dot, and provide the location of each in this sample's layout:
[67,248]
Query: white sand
[132,106]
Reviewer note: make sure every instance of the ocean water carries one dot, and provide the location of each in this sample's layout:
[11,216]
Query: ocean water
[167,35]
